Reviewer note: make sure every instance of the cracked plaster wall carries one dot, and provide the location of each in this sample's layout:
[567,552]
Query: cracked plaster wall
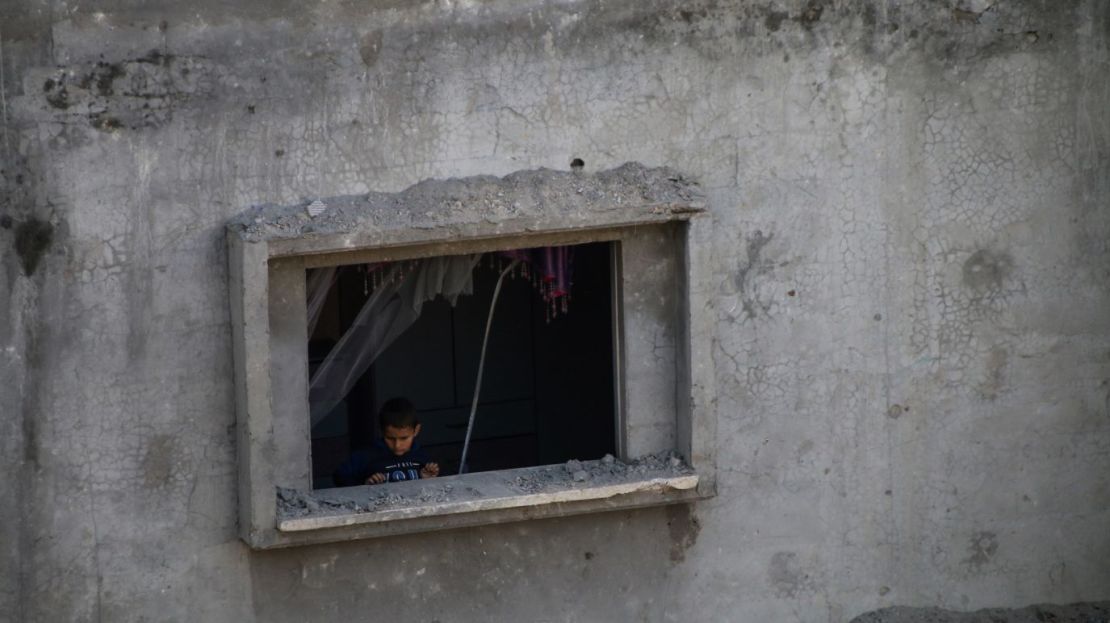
[912,344]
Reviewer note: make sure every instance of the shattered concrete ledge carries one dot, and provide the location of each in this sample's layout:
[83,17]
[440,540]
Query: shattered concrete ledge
[536,200]
[549,490]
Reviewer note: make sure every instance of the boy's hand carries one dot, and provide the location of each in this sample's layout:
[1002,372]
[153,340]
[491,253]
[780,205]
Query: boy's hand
[430,470]
[376,479]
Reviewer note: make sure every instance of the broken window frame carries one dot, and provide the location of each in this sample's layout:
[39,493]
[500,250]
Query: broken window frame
[267,296]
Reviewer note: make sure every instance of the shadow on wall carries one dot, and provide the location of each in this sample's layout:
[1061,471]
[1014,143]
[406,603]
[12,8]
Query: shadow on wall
[32,238]
[1089,612]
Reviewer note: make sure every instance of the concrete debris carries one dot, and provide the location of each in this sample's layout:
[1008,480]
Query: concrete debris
[292,503]
[439,203]
[606,471]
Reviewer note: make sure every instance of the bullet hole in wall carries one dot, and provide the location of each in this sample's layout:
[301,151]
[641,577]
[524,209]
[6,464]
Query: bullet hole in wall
[774,19]
[56,95]
[105,123]
[987,270]
[896,410]
[103,77]
[812,14]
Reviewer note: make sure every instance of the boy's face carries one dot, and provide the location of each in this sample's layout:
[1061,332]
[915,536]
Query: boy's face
[399,438]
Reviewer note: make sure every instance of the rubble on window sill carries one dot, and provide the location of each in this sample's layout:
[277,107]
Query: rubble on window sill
[529,486]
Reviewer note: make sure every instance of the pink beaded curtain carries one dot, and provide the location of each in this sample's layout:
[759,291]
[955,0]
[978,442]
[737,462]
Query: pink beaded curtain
[550,270]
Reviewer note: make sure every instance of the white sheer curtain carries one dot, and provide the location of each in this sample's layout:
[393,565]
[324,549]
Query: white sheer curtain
[320,281]
[393,307]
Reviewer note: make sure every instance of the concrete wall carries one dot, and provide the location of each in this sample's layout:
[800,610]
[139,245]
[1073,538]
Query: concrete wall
[913,343]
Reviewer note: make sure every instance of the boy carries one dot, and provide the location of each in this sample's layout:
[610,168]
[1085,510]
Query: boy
[392,458]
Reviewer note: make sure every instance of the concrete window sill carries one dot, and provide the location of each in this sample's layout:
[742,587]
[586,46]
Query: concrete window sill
[488,497]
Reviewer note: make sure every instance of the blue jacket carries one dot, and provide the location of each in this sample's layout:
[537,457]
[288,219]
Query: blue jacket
[379,460]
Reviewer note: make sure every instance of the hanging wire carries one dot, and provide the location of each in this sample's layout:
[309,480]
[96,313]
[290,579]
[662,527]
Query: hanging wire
[481,366]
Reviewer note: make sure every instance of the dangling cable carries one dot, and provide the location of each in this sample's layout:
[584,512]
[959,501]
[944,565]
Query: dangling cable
[482,365]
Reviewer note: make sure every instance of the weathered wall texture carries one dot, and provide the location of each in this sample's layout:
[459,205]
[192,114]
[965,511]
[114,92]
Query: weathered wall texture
[913,343]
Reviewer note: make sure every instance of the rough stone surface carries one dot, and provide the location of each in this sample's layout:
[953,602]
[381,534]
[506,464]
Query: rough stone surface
[440,203]
[912,275]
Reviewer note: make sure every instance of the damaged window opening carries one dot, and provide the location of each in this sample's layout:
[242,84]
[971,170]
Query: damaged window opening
[547,391]
[594,396]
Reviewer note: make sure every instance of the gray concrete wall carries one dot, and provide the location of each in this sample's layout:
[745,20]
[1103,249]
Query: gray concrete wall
[913,277]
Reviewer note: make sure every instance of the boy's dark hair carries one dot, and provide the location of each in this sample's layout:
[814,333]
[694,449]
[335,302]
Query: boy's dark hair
[399,413]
